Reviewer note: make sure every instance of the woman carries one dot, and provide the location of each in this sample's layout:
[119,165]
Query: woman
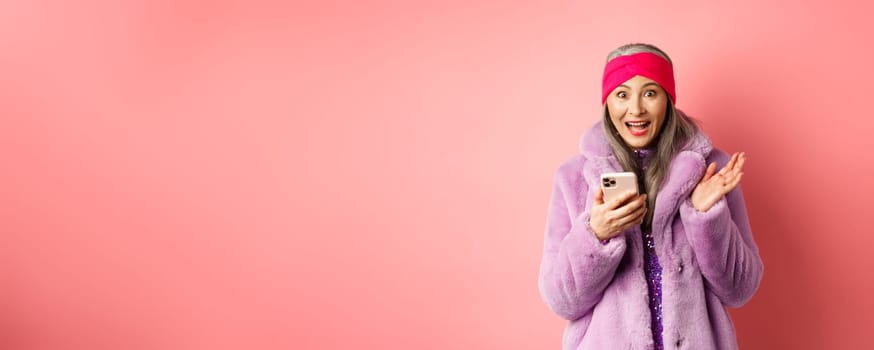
[655,270]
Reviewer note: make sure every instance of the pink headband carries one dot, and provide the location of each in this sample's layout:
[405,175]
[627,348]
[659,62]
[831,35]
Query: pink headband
[645,64]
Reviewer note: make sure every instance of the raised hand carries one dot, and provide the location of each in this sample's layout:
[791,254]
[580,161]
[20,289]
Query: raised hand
[714,185]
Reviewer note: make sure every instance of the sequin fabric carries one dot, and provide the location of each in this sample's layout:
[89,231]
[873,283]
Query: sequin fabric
[652,269]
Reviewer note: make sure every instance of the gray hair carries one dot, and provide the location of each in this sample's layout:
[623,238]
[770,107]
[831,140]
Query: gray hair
[676,132]
[630,49]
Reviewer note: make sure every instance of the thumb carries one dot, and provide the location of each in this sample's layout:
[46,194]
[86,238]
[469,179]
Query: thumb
[711,169]
[599,196]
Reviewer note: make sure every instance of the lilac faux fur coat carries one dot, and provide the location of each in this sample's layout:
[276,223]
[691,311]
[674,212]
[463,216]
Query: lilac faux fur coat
[709,259]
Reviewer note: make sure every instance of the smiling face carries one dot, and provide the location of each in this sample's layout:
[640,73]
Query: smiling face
[637,109]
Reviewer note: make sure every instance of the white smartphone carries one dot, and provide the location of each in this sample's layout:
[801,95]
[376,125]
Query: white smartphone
[616,184]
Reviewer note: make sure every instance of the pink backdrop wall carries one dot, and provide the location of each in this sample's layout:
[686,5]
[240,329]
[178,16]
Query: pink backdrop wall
[375,175]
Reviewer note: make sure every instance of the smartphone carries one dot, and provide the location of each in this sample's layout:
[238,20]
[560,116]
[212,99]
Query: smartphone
[616,184]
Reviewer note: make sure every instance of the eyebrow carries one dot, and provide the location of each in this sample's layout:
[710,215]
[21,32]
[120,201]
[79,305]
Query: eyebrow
[644,85]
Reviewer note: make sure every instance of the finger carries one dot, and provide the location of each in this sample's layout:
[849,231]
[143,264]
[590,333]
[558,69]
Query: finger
[738,167]
[733,161]
[630,207]
[731,185]
[624,223]
[728,175]
[633,219]
[711,169]
[728,178]
[717,179]
[740,162]
[619,201]
[599,196]
[734,158]
[736,181]
[730,165]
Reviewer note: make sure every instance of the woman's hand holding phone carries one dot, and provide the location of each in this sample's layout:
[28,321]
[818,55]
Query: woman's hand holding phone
[608,219]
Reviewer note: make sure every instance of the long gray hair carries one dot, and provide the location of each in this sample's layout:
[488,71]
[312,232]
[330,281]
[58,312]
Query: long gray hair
[676,132]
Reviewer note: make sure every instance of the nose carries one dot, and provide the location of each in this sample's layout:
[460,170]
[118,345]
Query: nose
[635,107]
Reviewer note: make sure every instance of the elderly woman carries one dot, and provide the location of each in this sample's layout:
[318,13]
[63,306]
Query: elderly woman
[654,270]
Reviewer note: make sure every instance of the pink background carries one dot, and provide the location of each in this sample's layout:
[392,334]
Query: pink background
[375,175]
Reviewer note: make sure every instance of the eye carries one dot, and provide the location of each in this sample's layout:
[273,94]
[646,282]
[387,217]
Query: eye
[650,93]
[621,94]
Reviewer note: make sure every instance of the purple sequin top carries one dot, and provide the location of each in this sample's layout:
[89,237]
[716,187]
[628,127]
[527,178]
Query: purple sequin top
[652,269]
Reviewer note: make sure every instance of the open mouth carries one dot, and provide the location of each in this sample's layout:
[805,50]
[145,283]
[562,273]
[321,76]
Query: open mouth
[638,128]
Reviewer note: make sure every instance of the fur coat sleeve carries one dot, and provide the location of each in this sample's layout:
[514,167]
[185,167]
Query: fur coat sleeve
[576,266]
[723,245]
